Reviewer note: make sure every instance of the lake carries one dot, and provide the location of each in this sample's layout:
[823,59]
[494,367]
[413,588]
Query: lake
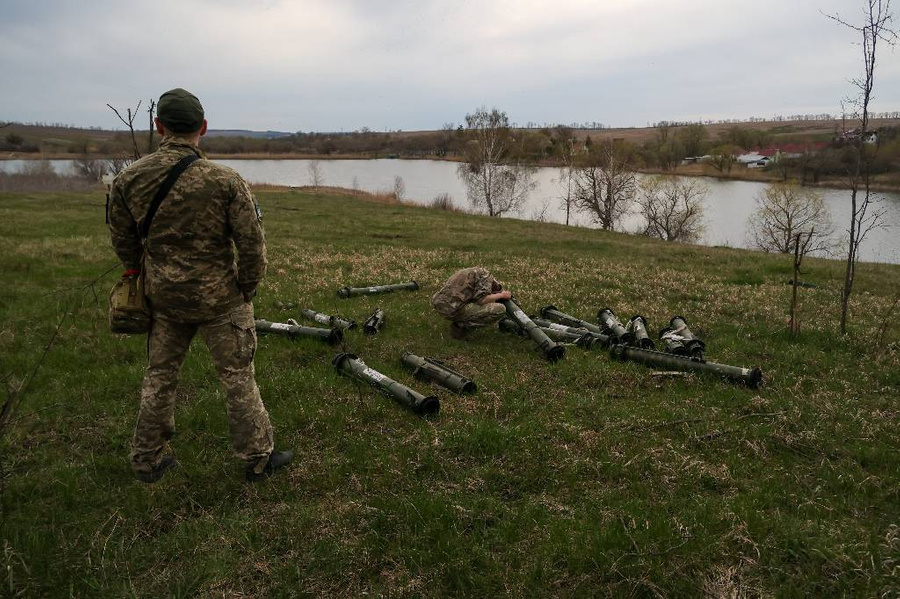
[727,207]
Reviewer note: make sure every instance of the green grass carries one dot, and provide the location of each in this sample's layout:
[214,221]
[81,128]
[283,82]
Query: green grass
[584,478]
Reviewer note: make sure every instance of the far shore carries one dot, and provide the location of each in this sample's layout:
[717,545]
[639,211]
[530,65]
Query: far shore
[889,182]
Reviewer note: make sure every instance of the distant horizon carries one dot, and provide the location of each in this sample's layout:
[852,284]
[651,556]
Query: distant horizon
[888,114]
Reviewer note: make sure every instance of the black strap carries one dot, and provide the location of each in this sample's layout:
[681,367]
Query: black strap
[164,190]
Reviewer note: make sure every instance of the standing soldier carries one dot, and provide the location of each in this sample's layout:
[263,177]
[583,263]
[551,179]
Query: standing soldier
[469,299]
[193,284]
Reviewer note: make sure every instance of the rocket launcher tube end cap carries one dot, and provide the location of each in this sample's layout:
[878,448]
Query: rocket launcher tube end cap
[543,311]
[340,358]
[429,406]
[676,317]
[344,292]
[756,378]
[555,353]
[599,312]
[335,337]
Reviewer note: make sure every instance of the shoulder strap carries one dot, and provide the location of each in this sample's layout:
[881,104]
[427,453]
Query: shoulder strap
[164,190]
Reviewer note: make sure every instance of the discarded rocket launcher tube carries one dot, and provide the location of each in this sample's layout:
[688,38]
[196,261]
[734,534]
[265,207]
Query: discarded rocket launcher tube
[550,350]
[752,377]
[638,327]
[440,373]
[673,342]
[510,326]
[583,337]
[331,321]
[350,365]
[346,292]
[695,346]
[612,327]
[552,314]
[332,336]
[374,323]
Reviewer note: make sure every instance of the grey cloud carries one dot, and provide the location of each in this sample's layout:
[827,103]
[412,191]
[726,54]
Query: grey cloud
[327,65]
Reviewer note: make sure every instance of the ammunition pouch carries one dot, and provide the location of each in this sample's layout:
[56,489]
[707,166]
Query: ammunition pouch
[128,310]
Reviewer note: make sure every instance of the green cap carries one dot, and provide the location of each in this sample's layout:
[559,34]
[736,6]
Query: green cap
[180,111]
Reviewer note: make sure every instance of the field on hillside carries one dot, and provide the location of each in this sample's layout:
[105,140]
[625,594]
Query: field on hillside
[583,478]
[813,130]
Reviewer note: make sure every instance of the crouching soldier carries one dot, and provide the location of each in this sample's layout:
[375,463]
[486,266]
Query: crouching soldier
[469,300]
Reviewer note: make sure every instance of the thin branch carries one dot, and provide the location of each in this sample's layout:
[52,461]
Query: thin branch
[129,122]
[15,394]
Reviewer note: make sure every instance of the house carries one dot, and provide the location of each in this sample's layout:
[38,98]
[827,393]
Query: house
[761,163]
[853,134]
[765,156]
[748,157]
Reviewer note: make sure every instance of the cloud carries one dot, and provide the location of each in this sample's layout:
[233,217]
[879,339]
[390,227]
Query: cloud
[326,65]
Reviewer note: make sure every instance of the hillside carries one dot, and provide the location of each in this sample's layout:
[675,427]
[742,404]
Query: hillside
[583,478]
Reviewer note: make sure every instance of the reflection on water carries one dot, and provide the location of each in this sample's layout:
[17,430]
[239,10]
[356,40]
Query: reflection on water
[728,205]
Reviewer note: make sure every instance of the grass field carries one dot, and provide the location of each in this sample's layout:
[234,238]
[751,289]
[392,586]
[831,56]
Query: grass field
[583,478]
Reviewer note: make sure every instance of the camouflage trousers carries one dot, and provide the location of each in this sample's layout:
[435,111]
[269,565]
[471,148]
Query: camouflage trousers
[231,340]
[474,315]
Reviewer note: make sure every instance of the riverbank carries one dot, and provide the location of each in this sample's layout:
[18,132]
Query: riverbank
[585,478]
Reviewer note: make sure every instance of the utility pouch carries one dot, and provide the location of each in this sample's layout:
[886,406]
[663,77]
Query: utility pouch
[128,309]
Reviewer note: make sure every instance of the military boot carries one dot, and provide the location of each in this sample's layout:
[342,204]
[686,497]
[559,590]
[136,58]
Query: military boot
[276,460]
[157,471]
[457,331]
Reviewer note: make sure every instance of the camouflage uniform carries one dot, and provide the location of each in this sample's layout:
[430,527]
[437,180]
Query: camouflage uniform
[193,284]
[458,299]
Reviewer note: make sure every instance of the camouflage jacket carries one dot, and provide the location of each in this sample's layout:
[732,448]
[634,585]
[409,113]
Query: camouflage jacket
[190,268]
[465,286]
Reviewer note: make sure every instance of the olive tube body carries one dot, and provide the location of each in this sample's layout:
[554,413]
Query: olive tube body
[752,377]
[330,321]
[346,292]
[637,325]
[440,373]
[547,348]
[552,314]
[350,365]
[612,327]
[583,338]
[332,336]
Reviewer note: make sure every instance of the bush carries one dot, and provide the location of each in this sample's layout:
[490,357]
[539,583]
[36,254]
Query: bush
[443,201]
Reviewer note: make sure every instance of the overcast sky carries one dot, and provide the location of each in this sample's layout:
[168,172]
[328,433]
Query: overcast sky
[323,65]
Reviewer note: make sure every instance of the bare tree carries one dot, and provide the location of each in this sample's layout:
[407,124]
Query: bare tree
[785,210]
[568,155]
[90,168]
[399,188]
[540,214]
[115,165]
[128,119]
[604,185]
[692,138]
[492,182]
[314,169]
[864,214]
[151,111]
[672,207]
[792,220]
[722,157]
